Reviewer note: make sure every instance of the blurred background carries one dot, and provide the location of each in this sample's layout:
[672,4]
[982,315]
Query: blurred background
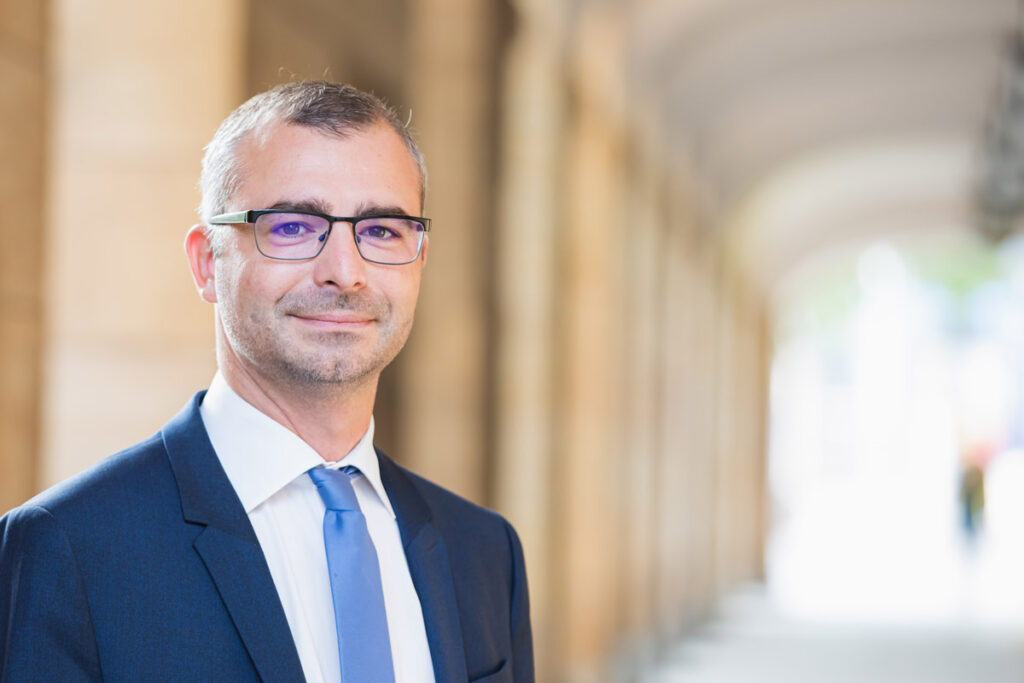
[724,306]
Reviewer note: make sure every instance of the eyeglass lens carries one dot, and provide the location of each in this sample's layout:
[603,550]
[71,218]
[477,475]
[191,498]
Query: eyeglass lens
[295,236]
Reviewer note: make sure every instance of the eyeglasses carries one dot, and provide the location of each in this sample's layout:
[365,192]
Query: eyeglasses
[286,235]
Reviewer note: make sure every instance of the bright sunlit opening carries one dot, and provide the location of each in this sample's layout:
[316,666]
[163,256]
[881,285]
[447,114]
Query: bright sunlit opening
[897,437]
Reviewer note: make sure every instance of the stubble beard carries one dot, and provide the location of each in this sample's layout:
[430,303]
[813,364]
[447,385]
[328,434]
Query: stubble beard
[315,362]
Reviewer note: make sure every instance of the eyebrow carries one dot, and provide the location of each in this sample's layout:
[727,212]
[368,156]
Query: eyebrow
[380,210]
[313,205]
[319,206]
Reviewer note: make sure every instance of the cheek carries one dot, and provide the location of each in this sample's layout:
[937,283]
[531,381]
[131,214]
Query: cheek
[243,282]
[226,281]
[406,291]
[239,289]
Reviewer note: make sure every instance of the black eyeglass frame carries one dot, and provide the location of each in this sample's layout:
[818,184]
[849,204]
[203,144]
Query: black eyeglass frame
[251,215]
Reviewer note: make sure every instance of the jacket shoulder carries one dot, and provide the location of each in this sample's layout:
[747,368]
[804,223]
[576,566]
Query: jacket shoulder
[477,536]
[127,481]
[111,483]
[447,507]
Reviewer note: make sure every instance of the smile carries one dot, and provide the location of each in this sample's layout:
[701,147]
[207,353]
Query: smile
[333,320]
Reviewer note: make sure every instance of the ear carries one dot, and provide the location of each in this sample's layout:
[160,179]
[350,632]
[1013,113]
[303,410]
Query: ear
[423,251]
[201,260]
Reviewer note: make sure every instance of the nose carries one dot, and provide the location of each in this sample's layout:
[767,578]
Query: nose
[339,264]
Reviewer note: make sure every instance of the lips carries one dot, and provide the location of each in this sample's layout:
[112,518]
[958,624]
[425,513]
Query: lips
[334,319]
[340,318]
[347,309]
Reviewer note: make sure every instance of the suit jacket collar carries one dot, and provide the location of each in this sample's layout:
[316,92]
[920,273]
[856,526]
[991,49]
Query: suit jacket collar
[229,548]
[431,572]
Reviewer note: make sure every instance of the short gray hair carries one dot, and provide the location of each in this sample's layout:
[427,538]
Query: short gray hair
[330,108]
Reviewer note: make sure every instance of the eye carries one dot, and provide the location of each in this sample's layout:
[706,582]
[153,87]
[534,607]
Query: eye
[291,229]
[377,230]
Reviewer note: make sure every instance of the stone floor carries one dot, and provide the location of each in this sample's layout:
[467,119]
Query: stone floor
[752,642]
[888,593]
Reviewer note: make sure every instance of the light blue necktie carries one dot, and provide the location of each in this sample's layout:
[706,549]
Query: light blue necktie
[363,643]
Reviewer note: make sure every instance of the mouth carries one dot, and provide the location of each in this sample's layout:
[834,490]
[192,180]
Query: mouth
[333,320]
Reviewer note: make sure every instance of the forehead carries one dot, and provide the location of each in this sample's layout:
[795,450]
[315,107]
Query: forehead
[289,162]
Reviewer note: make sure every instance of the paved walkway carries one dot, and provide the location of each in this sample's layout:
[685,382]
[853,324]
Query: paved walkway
[753,643]
[876,593]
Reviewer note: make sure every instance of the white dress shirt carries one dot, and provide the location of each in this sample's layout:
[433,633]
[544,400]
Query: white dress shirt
[266,463]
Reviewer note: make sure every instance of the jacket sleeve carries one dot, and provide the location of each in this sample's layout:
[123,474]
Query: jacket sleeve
[46,631]
[522,636]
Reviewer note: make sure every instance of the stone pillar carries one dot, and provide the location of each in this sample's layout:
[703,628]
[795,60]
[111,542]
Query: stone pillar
[701,413]
[527,293]
[765,352]
[641,468]
[339,41]
[726,515]
[443,389]
[589,352]
[752,390]
[23,99]
[138,89]
[741,450]
[678,518]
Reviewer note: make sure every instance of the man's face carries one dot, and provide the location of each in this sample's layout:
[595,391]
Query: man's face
[335,318]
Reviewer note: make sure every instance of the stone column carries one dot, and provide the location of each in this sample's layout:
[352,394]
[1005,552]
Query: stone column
[752,389]
[138,89]
[640,467]
[741,454]
[23,99]
[527,294]
[726,515]
[765,352]
[678,519]
[701,414]
[589,316]
[443,389]
[589,351]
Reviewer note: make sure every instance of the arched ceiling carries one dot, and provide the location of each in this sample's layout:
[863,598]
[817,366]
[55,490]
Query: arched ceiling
[846,196]
[753,94]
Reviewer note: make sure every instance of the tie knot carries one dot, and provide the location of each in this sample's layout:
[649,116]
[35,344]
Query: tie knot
[335,487]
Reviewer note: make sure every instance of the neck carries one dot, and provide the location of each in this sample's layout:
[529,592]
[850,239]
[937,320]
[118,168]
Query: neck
[330,418]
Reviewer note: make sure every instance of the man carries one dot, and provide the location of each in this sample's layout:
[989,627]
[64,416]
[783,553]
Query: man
[259,535]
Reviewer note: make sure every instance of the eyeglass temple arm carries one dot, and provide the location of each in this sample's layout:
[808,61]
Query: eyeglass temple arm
[238,217]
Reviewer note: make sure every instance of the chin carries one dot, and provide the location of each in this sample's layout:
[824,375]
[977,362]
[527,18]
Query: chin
[337,372]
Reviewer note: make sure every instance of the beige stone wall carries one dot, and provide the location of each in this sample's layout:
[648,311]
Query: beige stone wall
[631,362]
[527,263]
[589,312]
[444,390]
[23,100]
[137,90]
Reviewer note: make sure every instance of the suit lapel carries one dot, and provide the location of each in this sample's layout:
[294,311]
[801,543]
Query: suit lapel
[430,570]
[229,548]
[232,555]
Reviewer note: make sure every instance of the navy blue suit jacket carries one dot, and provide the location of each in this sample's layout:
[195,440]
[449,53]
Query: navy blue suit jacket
[146,568]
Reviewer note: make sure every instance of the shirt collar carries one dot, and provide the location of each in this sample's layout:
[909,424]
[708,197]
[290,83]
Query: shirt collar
[262,456]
